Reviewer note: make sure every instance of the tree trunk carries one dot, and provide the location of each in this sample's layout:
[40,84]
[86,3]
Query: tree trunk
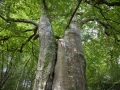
[70,66]
[68,73]
[61,79]
[46,62]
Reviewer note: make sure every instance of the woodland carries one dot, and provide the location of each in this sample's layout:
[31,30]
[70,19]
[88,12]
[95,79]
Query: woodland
[59,44]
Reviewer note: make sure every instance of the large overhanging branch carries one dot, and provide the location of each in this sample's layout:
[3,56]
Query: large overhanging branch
[82,22]
[106,18]
[23,21]
[75,10]
[34,36]
[101,22]
[112,3]
[105,25]
[94,5]
[94,2]
[19,20]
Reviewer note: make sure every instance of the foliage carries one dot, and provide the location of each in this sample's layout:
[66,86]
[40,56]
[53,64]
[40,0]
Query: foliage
[99,23]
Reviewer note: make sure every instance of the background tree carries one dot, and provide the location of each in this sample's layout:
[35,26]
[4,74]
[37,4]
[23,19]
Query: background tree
[99,24]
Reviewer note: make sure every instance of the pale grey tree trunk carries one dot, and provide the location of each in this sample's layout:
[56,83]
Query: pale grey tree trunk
[68,73]
[70,65]
[61,79]
[46,62]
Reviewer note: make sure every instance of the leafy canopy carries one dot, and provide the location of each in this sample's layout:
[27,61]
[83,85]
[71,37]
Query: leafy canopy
[99,21]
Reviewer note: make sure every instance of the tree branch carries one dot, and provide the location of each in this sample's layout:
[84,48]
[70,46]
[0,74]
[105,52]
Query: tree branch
[3,17]
[4,38]
[105,25]
[44,4]
[111,4]
[75,10]
[113,21]
[4,79]
[31,36]
[116,38]
[23,21]
[19,20]
[101,22]
[94,2]
[93,19]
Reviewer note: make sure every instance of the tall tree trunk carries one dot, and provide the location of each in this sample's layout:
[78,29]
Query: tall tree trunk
[61,79]
[46,62]
[70,65]
[68,73]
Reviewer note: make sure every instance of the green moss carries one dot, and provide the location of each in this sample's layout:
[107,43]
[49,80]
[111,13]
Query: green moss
[70,73]
[72,88]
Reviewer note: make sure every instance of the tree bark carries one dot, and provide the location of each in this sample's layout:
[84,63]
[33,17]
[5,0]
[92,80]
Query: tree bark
[68,73]
[46,62]
[70,65]
[61,79]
